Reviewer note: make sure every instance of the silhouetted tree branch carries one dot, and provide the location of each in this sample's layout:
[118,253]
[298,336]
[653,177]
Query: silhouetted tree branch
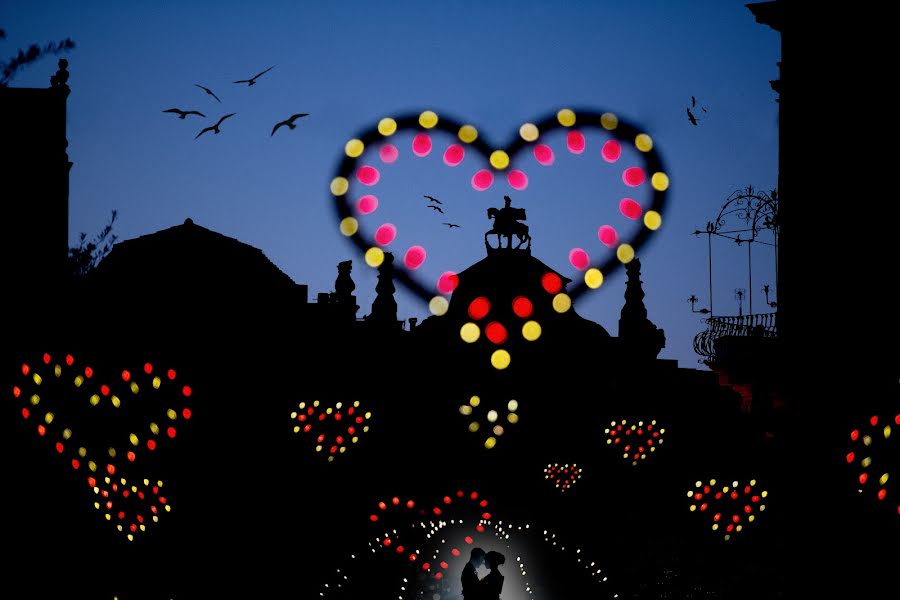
[33,53]
[88,254]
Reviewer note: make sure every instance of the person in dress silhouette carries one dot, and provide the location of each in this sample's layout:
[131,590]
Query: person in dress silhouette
[492,584]
[470,580]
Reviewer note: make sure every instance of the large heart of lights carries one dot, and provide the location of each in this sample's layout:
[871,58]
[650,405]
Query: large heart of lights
[636,441]
[404,527]
[105,424]
[563,477]
[335,428]
[730,507]
[354,186]
[494,417]
[874,458]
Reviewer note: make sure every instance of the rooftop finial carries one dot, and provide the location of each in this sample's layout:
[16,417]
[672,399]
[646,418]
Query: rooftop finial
[59,79]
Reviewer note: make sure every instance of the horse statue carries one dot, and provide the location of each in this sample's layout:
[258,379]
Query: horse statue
[507,228]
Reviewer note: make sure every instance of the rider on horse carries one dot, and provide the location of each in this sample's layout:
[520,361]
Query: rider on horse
[506,224]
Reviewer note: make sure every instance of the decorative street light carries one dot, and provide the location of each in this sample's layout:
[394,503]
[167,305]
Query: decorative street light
[759,212]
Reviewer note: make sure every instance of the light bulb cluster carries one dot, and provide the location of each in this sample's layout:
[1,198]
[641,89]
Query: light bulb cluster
[563,477]
[636,441]
[497,416]
[874,457]
[334,428]
[730,507]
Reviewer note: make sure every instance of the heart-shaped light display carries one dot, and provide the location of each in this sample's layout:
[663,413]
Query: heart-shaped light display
[874,458]
[563,477]
[489,417]
[636,441]
[103,423]
[334,428]
[355,185]
[129,505]
[730,507]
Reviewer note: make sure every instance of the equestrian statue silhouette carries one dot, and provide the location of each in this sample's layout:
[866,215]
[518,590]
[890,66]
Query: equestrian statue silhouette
[506,225]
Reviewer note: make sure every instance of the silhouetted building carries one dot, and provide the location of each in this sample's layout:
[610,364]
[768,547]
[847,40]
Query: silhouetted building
[191,280]
[35,178]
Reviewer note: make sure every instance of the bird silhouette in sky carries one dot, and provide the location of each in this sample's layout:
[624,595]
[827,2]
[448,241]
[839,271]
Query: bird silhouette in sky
[183,113]
[208,91]
[289,122]
[253,79]
[432,199]
[691,117]
[451,225]
[214,128]
[694,104]
[437,208]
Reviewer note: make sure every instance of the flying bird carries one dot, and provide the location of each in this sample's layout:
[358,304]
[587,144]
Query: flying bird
[253,79]
[214,128]
[437,208]
[183,113]
[208,91]
[691,117]
[432,199]
[693,102]
[450,225]
[289,122]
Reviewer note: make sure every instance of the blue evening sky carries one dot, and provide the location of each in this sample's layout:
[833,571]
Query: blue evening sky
[495,64]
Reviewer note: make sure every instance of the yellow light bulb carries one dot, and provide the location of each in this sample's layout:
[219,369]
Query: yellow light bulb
[529,132]
[339,186]
[468,134]
[499,159]
[387,126]
[660,182]
[566,117]
[349,226]
[354,148]
[428,119]
[643,142]
[374,256]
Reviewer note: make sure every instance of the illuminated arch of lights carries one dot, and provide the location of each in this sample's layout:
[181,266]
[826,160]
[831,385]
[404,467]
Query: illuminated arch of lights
[874,460]
[563,477]
[411,534]
[429,547]
[357,167]
[731,507]
[635,441]
[334,428]
[69,405]
[497,417]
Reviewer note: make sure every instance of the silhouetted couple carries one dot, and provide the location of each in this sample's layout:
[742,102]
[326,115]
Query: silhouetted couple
[490,586]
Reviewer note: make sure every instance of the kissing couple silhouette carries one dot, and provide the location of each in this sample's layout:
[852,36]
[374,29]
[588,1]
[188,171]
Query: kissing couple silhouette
[489,586]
